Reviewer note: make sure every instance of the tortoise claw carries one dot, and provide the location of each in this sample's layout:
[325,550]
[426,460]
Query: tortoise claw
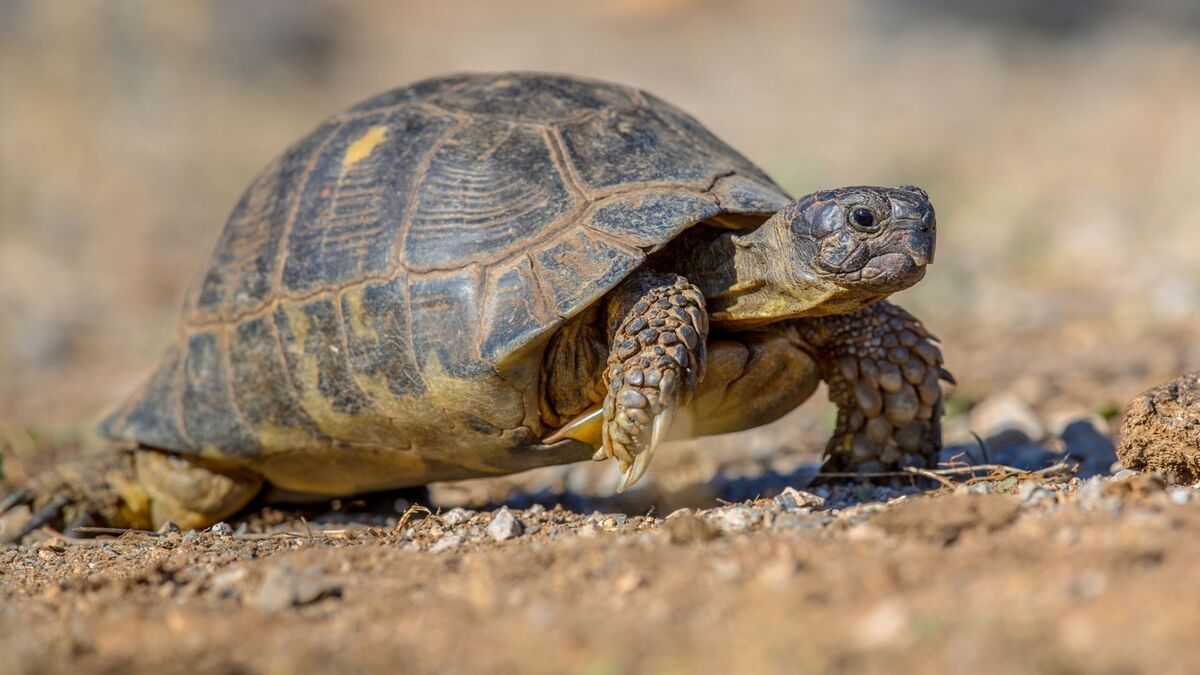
[658,434]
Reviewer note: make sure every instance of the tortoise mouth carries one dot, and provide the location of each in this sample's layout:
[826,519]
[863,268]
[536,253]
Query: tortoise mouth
[890,272]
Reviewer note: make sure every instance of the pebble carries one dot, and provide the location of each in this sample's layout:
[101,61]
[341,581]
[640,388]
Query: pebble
[1181,495]
[168,527]
[283,587]
[686,528]
[456,516]
[1124,474]
[225,582]
[504,525]
[446,543]
[735,518]
[191,535]
[1091,495]
[221,529]
[792,499]
[1031,493]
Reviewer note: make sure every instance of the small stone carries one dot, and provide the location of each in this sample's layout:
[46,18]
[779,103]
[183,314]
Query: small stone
[504,525]
[221,529]
[1124,474]
[1181,495]
[283,587]
[55,544]
[792,499]
[736,518]
[800,522]
[168,528]
[1031,493]
[191,535]
[683,527]
[1090,492]
[456,516]
[981,489]
[446,543]
[225,583]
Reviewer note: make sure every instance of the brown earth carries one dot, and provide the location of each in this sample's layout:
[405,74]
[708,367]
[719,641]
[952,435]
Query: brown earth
[1087,577]
[1057,146]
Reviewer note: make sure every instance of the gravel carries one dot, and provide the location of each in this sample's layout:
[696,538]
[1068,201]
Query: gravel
[283,587]
[504,525]
[735,518]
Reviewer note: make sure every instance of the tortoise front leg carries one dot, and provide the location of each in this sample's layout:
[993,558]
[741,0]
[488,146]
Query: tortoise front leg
[883,370]
[658,328]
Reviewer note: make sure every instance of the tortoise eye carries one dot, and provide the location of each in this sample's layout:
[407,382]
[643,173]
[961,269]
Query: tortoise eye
[862,218]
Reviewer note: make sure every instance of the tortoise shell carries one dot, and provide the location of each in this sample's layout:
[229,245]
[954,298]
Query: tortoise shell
[391,280]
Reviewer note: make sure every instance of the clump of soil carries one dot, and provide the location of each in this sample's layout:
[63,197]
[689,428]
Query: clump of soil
[1161,432]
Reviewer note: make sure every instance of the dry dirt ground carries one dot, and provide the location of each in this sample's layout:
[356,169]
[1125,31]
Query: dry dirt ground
[1004,575]
[1059,148]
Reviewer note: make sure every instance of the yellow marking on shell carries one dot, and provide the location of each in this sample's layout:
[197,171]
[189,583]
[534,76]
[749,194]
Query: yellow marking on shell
[354,308]
[275,438]
[456,443]
[360,149]
[399,440]
[366,426]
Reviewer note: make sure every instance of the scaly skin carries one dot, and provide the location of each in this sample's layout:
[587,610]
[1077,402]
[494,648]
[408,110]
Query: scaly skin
[657,359]
[883,370]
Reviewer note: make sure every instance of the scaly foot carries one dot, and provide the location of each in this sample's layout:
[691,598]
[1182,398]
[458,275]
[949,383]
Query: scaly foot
[656,361]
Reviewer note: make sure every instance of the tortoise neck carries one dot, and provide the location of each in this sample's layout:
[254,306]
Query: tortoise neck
[749,278]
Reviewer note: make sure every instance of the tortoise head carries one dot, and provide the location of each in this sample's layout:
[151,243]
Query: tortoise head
[877,240]
[831,252]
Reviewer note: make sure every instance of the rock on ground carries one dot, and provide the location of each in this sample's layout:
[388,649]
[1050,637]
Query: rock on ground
[504,525]
[1161,431]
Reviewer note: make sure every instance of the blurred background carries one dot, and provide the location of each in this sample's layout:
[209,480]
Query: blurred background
[1059,142]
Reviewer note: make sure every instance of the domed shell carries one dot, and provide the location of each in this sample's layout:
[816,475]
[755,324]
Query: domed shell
[464,217]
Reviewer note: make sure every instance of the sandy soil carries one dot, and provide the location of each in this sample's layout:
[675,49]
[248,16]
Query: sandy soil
[1057,148]
[999,576]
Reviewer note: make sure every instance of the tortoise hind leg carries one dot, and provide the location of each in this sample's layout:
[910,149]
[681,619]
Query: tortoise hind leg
[90,490]
[191,492]
[139,489]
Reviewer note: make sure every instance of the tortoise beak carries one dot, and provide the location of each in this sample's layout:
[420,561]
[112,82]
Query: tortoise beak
[919,225]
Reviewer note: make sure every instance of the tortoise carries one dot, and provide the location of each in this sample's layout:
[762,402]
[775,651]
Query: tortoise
[480,274]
